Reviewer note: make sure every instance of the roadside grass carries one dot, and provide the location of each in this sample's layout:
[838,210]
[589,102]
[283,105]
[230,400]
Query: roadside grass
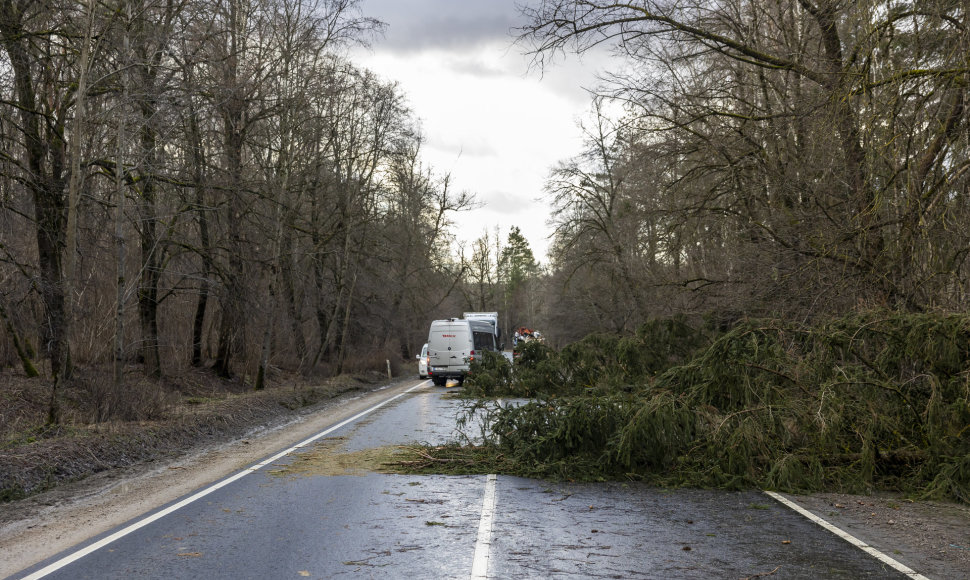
[145,420]
[872,401]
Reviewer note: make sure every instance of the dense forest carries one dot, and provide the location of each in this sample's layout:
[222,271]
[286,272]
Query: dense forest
[211,183]
[792,158]
[215,183]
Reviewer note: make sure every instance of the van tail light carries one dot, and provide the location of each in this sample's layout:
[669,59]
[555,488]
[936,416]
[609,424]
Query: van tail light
[472,355]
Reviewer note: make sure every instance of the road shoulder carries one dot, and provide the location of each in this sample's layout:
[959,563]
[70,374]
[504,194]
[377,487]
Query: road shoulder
[932,538]
[40,526]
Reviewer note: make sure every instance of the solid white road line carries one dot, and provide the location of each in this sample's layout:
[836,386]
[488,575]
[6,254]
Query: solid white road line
[848,537]
[484,542]
[74,557]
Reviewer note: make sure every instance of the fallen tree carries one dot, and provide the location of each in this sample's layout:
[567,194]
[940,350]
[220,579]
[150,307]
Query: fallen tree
[873,400]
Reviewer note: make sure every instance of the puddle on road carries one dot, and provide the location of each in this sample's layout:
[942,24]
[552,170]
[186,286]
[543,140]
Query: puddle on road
[329,458]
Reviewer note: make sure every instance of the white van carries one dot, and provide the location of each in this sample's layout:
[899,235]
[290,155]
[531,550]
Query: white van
[453,344]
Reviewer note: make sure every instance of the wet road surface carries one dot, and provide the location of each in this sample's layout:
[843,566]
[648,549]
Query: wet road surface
[321,513]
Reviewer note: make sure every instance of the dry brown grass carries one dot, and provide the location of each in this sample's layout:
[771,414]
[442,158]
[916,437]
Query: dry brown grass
[105,427]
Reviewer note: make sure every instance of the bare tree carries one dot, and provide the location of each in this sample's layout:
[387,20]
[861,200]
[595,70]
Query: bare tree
[41,129]
[594,214]
[266,181]
[780,127]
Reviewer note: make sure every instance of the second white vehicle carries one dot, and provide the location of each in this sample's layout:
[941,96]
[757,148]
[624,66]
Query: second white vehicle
[452,346]
[423,362]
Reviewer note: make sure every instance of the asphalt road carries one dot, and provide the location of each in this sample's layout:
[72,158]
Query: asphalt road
[321,512]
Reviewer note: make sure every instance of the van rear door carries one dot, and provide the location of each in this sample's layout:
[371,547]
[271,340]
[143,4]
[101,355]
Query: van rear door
[449,346]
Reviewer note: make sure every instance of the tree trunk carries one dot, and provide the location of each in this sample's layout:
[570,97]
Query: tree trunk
[150,258]
[44,158]
[287,275]
[202,218]
[28,365]
[233,110]
[342,344]
[120,280]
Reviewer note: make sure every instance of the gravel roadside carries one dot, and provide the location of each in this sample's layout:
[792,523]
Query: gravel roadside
[932,538]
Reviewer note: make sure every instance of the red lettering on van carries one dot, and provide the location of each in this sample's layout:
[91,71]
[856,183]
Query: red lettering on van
[450,335]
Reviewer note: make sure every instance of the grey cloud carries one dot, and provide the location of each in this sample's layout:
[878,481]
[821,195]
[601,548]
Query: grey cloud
[414,25]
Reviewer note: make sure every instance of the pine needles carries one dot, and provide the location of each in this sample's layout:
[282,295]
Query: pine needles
[871,400]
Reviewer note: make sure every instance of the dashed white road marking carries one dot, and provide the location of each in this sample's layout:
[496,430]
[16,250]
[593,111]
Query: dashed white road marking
[484,542]
[75,556]
[899,566]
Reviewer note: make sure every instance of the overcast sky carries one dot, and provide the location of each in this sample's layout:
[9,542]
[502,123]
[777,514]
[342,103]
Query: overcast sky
[494,125]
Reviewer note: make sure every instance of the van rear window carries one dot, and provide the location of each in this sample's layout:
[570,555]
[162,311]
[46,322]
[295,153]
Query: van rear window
[484,341]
